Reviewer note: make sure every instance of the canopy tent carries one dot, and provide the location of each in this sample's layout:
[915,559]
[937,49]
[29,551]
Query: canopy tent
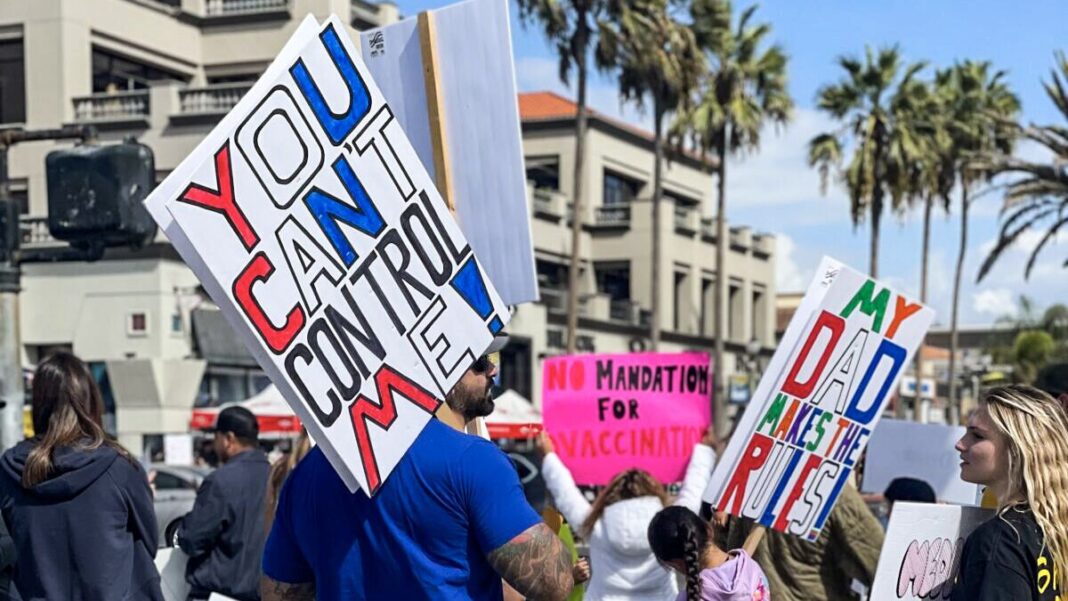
[513,417]
[275,418]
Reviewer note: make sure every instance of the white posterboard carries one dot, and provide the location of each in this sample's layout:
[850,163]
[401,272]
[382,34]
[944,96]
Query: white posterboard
[925,451]
[178,449]
[921,553]
[818,401]
[313,225]
[481,118]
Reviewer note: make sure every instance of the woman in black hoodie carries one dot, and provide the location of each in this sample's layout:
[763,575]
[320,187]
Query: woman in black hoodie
[77,504]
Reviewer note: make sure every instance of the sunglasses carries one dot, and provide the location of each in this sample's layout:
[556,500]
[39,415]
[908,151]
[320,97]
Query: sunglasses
[482,365]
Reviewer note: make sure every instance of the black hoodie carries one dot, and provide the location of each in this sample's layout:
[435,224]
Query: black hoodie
[88,532]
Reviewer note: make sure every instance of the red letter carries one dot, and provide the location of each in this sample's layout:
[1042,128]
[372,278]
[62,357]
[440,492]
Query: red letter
[802,390]
[222,201]
[384,414]
[277,339]
[752,460]
[795,494]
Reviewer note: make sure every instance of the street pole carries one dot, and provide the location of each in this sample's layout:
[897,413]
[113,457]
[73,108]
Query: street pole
[12,391]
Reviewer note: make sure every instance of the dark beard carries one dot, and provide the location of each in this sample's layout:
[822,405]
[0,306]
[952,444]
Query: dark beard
[471,404]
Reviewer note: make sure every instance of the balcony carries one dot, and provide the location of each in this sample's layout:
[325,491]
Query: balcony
[33,233]
[708,229]
[113,108]
[764,244]
[741,238]
[686,220]
[548,204]
[554,299]
[629,312]
[612,216]
[209,103]
[226,8]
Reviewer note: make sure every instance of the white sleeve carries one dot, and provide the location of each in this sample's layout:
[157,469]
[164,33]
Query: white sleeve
[566,494]
[698,473]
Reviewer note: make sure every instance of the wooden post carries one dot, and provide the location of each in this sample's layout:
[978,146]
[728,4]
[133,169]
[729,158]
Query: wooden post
[753,540]
[435,108]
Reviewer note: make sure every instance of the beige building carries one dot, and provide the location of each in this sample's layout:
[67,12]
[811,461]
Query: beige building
[165,71]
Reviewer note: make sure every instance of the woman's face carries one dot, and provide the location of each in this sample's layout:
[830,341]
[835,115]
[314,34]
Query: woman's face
[984,452]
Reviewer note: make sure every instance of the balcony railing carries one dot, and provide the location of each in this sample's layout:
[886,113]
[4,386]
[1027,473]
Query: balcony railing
[685,220]
[112,106]
[554,299]
[708,228]
[211,100]
[628,311]
[33,231]
[612,216]
[219,8]
[548,203]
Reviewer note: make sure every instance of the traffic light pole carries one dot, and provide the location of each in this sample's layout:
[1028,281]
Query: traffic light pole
[11,388]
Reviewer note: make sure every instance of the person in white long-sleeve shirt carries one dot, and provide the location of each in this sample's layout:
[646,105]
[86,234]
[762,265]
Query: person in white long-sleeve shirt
[615,524]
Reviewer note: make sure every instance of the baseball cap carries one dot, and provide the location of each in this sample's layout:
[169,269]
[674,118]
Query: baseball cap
[500,340]
[238,420]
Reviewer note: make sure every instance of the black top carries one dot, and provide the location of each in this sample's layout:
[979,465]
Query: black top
[88,532]
[224,533]
[1005,560]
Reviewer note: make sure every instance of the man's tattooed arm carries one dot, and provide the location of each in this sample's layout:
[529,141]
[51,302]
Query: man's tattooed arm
[272,590]
[536,564]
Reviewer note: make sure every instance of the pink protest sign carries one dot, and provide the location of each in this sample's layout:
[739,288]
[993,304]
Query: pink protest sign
[609,413]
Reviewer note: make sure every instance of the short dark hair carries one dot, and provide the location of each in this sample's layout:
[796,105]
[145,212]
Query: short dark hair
[240,422]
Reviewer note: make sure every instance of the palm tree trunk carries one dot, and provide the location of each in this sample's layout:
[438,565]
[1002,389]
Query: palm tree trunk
[925,257]
[577,210]
[954,406]
[658,153]
[719,397]
[876,220]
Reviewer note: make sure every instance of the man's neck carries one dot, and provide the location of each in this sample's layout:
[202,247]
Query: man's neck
[452,418]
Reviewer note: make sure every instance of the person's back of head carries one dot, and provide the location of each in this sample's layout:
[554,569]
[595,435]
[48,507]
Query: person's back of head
[67,412]
[631,484]
[236,430]
[910,490]
[679,537]
[1035,427]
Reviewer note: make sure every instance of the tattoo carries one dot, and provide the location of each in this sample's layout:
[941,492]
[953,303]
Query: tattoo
[536,564]
[273,590]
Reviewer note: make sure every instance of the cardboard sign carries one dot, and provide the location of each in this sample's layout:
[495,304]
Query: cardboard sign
[818,402]
[609,413]
[313,225]
[921,553]
[924,451]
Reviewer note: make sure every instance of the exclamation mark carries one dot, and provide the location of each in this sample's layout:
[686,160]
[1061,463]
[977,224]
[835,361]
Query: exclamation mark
[469,284]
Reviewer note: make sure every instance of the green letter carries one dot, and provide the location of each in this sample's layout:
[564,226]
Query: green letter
[874,307]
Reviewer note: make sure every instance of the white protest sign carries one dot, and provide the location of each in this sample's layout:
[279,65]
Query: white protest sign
[818,402]
[481,119]
[925,451]
[314,226]
[921,553]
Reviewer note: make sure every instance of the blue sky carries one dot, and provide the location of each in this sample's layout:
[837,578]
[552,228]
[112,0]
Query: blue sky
[773,190]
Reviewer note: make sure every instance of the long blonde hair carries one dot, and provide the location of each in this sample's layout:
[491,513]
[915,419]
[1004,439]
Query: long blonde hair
[280,471]
[1036,430]
[630,484]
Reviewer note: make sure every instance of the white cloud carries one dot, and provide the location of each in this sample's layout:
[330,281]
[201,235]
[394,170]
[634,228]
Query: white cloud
[994,302]
[788,276]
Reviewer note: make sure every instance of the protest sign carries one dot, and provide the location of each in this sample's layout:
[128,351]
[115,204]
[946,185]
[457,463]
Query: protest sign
[925,451]
[313,225]
[609,413]
[921,553]
[473,46]
[818,402]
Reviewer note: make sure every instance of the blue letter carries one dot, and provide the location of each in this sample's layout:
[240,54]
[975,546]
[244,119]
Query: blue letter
[337,126]
[897,355]
[328,210]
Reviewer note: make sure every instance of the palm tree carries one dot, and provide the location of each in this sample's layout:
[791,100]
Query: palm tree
[977,110]
[882,143]
[744,89]
[1039,193]
[659,62]
[571,25]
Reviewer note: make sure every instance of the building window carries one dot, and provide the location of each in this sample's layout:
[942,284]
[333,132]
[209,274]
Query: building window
[613,279]
[734,311]
[114,73]
[137,324]
[759,316]
[618,189]
[515,368]
[544,172]
[681,292]
[12,82]
[176,323]
[708,306]
[229,385]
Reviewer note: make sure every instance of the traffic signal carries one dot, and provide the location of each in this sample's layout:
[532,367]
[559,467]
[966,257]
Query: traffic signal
[95,194]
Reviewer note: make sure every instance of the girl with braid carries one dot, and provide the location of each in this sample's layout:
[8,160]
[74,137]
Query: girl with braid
[684,542]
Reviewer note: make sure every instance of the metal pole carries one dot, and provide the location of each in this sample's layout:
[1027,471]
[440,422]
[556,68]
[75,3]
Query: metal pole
[11,387]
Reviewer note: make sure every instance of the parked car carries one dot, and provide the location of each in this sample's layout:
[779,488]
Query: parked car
[176,490]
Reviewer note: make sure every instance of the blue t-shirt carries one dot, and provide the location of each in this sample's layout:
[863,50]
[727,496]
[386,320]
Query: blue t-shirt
[451,500]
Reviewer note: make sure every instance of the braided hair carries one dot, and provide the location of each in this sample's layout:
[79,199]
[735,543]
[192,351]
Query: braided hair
[676,533]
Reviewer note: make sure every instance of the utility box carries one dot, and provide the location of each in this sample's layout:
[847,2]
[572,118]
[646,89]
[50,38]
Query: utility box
[95,195]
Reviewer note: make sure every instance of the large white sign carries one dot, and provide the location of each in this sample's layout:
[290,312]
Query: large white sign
[924,451]
[921,553]
[818,402]
[314,226]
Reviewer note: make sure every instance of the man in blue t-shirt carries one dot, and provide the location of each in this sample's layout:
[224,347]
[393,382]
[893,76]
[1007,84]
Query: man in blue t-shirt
[449,522]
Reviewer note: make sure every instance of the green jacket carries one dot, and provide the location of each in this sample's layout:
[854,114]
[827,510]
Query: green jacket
[797,570]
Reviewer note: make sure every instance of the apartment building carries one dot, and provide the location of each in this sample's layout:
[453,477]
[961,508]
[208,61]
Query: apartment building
[165,72]
[616,286]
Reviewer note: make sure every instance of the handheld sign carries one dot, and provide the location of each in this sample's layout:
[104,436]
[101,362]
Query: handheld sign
[609,413]
[924,451]
[313,225]
[818,402]
[921,553]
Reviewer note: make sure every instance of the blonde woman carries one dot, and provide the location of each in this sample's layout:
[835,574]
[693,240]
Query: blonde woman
[1017,446]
